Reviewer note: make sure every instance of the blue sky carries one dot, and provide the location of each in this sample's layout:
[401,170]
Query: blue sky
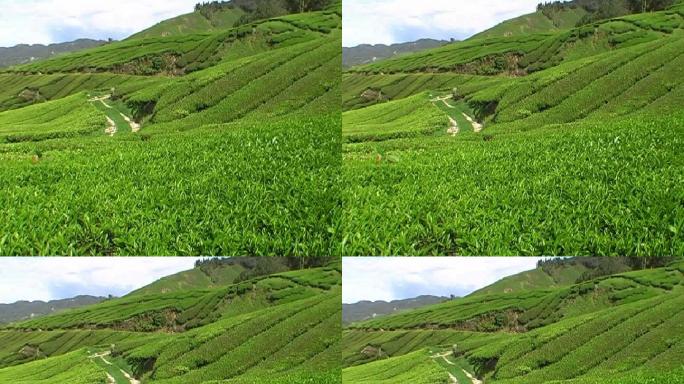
[392,278]
[48,278]
[398,21]
[55,21]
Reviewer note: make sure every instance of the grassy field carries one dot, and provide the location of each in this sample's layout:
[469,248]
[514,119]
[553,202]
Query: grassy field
[579,158]
[274,328]
[194,22]
[414,367]
[626,328]
[237,153]
[565,18]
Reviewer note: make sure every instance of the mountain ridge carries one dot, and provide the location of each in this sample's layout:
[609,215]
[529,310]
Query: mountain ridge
[26,53]
[25,309]
[368,53]
[366,309]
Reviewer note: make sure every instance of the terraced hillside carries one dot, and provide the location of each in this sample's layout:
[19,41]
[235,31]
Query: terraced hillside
[622,328]
[207,143]
[556,143]
[195,22]
[277,328]
[539,21]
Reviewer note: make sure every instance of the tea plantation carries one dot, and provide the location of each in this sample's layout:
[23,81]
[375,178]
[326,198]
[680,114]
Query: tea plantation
[274,328]
[221,142]
[624,328]
[578,153]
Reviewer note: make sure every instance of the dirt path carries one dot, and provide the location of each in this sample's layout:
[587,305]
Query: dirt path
[131,379]
[453,127]
[441,98]
[473,379]
[448,105]
[443,356]
[111,127]
[111,378]
[454,380]
[477,127]
[135,127]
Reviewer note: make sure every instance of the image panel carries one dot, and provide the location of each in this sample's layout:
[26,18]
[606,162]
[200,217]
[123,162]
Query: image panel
[169,320]
[508,128]
[509,320]
[208,128]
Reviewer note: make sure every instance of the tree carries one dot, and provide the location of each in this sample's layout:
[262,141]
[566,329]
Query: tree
[299,6]
[642,6]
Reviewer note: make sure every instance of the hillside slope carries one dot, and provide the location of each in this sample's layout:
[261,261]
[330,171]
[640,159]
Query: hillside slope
[279,327]
[619,327]
[195,22]
[562,272]
[536,22]
[536,131]
[225,144]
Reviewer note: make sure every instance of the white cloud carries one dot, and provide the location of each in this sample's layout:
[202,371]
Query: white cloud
[396,21]
[52,21]
[392,278]
[48,278]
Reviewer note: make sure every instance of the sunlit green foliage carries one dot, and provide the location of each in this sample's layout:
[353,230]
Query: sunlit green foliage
[72,368]
[415,367]
[609,330]
[412,116]
[237,158]
[275,328]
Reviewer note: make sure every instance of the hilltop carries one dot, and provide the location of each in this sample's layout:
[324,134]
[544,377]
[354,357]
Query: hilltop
[622,328]
[277,328]
[549,20]
[554,16]
[218,272]
[215,16]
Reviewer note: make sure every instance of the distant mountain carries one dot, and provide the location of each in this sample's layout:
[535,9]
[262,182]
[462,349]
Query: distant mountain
[364,310]
[24,53]
[24,310]
[366,53]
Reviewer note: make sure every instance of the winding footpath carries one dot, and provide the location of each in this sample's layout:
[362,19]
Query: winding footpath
[477,127]
[454,129]
[453,126]
[454,380]
[111,128]
[111,378]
